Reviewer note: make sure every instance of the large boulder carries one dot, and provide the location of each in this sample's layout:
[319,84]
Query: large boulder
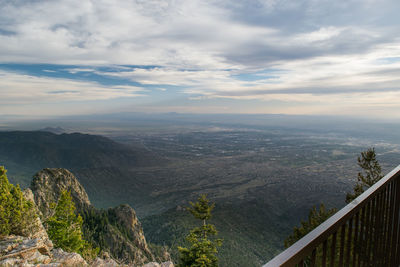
[68,259]
[18,250]
[156,264]
[167,264]
[104,263]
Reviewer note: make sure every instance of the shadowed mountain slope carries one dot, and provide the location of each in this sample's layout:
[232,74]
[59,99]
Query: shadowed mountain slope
[100,164]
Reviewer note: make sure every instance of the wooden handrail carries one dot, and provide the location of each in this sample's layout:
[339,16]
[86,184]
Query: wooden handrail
[306,246]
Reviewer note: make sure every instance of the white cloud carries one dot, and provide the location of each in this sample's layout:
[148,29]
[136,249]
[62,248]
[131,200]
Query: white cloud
[20,89]
[325,51]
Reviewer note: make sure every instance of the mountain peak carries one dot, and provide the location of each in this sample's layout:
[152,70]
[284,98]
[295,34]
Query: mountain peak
[55,130]
[48,184]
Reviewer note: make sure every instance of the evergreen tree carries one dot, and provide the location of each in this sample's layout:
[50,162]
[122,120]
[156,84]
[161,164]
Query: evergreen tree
[64,227]
[4,203]
[315,218]
[17,215]
[203,249]
[371,173]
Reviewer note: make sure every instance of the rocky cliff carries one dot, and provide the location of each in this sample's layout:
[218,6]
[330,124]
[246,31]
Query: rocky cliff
[33,252]
[48,184]
[116,231]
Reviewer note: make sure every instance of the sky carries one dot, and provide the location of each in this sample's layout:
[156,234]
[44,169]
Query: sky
[316,57]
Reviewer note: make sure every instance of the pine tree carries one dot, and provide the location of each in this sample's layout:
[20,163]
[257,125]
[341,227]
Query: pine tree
[203,250]
[315,218]
[371,173]
[64,227]
[16,213]
[5,212]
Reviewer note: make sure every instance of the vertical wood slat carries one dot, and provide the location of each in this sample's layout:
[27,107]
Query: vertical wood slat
[348,246]
[388,224]
[382,230]
[313,257]
[371,229]
[361,238]
[377,229]
[333,250]
[324,250]
[355,239]
[384,226]
[366,234]
[342,237]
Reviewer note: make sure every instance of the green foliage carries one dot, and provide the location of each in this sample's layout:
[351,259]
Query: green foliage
[203,250]
[371,173]
[64,228]
[251,236]
[89,252]
[16,213]
[315,218]
[202,208]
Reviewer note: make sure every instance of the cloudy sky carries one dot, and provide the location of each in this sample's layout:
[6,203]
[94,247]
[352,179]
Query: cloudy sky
[244,56]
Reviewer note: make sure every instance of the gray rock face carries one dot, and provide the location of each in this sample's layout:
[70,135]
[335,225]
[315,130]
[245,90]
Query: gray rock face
[24,251]
[48,184]
[127,217]
[40,231]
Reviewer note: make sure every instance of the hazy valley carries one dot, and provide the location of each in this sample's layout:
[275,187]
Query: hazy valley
[264,179]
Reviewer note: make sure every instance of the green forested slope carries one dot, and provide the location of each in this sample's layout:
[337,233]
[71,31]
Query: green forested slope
[250,238]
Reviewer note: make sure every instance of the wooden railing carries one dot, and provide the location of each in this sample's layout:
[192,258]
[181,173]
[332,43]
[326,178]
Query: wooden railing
[363,233]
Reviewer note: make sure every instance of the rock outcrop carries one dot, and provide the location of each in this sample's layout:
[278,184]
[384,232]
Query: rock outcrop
[48,184]
[126,217]
[120,233]
[24,251]
[33,252]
